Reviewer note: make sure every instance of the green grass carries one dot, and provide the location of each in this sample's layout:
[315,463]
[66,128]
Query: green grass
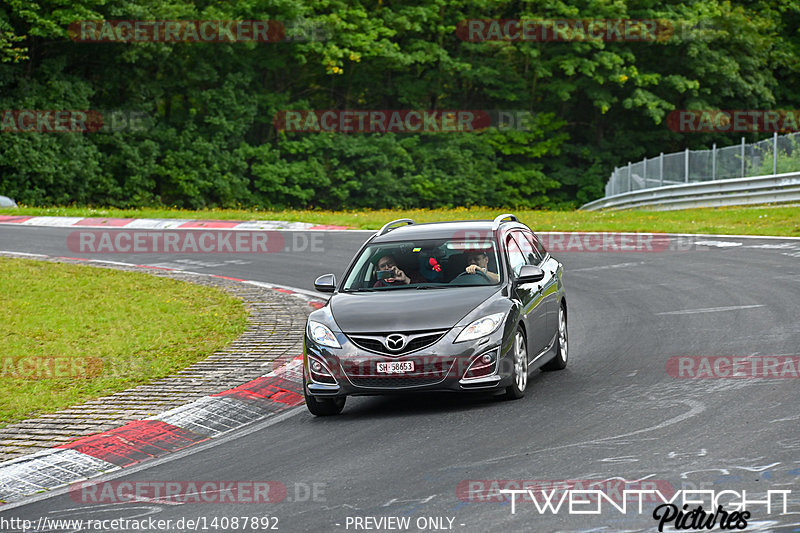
[99,331]
[783,221]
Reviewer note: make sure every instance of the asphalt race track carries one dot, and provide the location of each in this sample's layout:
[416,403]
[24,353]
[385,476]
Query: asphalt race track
[614,414]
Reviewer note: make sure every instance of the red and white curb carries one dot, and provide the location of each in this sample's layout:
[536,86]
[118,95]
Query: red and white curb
[163,223]
[142,440]
[170,431]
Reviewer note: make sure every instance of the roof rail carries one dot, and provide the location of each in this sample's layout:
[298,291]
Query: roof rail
[500,218]
[388,227]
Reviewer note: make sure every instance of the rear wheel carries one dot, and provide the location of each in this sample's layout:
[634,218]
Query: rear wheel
[520,374]
[323,406]
[559,362]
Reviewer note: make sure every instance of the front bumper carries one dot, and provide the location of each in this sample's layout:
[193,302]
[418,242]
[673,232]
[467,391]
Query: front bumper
[352,371]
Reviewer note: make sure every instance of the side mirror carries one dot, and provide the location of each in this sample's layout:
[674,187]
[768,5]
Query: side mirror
[530,274]
[325,283]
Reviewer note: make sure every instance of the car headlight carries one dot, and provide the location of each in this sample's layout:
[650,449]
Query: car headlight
[321,334]
[481,327]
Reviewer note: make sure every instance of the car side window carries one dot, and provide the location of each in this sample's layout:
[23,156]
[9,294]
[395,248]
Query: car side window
[515,256]
[529,249]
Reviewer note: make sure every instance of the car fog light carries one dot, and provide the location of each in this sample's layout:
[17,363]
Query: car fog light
[319,372]
[483,365]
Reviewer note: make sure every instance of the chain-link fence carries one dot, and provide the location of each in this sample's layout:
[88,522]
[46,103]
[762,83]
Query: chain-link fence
[772,156]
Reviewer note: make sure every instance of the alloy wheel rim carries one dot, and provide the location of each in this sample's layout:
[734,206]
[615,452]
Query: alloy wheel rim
[520,363]
[562,333]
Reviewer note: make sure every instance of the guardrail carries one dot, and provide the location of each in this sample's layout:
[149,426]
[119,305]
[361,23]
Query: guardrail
[779,188]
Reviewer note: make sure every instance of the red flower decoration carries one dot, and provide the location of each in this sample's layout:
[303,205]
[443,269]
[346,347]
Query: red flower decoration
[434,265]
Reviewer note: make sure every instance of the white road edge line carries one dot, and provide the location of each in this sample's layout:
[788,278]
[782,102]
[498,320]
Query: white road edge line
[606,267]
[664,234]
[312,294]
[711,309]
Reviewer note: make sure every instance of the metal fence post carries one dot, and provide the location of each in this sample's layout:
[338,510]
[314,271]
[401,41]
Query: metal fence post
[629,176]
[742,156]
[646,186]
[774,153]
[686,167]
[614,182]
[661,169]
[714,162]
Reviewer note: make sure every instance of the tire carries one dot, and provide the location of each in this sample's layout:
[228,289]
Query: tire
[520,374]
[323,406]
[559,362]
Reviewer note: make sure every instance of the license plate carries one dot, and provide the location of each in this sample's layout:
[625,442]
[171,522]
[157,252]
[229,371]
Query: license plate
[396,367]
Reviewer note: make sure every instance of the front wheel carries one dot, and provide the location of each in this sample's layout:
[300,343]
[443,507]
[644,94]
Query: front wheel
[323,406]
[520,374]
[559,362]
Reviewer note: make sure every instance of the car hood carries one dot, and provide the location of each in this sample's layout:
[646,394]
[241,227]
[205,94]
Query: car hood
[406,309]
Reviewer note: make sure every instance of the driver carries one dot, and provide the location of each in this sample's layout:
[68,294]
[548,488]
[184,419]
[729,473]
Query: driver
[388,262]
[479,262]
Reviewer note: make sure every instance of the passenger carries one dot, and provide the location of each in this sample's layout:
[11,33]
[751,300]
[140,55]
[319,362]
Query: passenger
[388,262]
[479,262]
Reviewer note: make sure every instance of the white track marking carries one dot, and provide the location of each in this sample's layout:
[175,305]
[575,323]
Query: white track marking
[605,267]
[718,244]
[711,310]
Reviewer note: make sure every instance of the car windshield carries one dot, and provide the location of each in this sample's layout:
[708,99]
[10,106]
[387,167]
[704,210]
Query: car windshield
[424,264]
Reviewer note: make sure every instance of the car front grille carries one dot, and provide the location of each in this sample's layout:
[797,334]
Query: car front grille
[394,382]
[376,342]
[366,343]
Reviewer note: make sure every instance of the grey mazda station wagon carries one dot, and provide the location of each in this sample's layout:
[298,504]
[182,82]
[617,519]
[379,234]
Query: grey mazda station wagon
[448,306]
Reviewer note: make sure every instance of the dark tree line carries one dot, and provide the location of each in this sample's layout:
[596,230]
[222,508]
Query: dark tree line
[192,124]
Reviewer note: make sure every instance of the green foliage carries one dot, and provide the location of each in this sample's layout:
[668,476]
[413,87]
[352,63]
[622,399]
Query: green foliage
[788,159]
[209,138]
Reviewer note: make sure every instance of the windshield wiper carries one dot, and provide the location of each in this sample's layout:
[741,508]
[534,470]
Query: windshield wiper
[426,287]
